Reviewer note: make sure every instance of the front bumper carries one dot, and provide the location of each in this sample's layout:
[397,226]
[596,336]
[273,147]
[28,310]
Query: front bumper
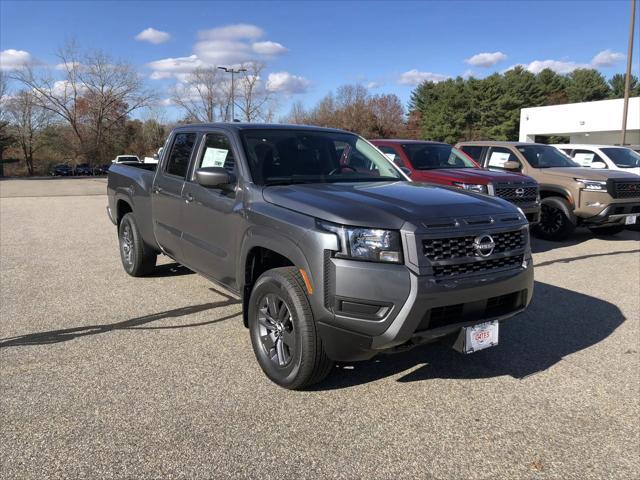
[614,213]
[532,212]
[413,308]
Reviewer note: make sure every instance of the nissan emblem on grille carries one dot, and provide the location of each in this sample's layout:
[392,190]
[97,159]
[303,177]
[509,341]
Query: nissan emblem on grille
[484,245]
[519,192]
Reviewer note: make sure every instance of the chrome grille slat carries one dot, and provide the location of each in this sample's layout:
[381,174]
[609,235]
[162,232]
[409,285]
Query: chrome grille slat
[458,247]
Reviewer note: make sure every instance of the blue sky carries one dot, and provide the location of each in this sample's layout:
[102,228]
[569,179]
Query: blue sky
[311,48]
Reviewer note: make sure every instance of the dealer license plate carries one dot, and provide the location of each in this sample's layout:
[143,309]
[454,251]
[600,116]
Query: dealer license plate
[481,336]
[630,220]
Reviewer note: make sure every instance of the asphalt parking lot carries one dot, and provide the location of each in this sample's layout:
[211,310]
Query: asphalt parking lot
[107,376]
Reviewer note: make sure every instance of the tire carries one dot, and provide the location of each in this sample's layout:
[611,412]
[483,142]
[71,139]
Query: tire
[137,258]
[608,230]
[283,331]
[557,221]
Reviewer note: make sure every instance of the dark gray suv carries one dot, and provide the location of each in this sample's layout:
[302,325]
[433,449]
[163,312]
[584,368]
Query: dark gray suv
[335,254]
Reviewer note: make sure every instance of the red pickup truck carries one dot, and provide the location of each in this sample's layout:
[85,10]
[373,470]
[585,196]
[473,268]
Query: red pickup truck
[436,162]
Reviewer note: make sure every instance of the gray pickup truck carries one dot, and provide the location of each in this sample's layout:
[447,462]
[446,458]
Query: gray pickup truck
[335,253]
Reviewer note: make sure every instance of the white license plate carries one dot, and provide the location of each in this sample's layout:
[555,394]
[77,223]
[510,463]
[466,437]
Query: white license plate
[481,336]
[630,220]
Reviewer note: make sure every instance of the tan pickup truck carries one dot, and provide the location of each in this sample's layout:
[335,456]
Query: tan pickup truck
[604,201]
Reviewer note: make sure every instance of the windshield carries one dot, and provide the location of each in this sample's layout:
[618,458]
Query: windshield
[544,156]
[280,157]
[622,157]
[430,156]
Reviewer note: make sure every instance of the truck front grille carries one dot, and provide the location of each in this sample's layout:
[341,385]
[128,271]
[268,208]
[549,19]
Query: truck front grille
[625,189]
[443,271]
[518,194]
[459,247]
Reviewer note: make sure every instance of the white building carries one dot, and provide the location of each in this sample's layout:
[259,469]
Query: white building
[589,122]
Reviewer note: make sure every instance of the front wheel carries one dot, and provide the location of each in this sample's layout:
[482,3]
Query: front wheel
[283,331]
[556,219]
[137,258]
[608,230]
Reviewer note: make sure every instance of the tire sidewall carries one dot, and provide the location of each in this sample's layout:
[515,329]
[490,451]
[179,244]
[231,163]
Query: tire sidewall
[271,282]
[129,221]
[568,219]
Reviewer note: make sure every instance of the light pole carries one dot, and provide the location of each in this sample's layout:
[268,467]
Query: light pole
[627,78]
[232,71]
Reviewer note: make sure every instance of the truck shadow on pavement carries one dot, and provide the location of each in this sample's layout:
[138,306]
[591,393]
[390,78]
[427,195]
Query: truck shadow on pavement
[138,323]
[557,323]
[581,235]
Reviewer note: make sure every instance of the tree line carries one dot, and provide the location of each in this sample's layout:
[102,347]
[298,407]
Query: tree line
[83,114]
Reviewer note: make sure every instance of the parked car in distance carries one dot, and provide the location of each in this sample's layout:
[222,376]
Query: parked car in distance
[126,159]
[602,200]
[603,156]
[101,169]
[61,170]
[437,162]
[335,254]
[83,169]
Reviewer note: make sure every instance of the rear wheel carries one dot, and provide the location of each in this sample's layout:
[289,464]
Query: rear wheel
[608,230]
[556,220]
[137,258]
[283,331]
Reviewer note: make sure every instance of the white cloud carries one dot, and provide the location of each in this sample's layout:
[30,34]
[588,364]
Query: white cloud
[486,59]
[67,66]
[416,77]
[170,67]
[14,59]
[558,66]
[607,58]
[373,85]
[287,83]
[268,48]
[232,32]
[222,52]
[152,35]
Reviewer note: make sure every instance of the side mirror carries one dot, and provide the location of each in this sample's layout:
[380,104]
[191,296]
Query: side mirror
[406,171]
[212,177]
[511,165]
[598,165]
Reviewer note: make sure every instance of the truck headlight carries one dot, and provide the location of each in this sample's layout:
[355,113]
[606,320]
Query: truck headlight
[372,244]
[592,185]
[471,187]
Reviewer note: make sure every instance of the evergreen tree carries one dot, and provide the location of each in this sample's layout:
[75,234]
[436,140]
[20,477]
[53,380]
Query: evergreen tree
[617,86]
[587,85]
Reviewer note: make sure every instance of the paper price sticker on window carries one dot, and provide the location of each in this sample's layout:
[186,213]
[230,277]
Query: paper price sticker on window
[214,157]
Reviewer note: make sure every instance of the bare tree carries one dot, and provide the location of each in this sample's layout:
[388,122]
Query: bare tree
[6,138]
[201,95]
[94,95]
[29,121]
[252,97]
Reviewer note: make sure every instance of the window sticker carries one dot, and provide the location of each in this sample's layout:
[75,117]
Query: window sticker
[584,159]
[214,157]
[498,159]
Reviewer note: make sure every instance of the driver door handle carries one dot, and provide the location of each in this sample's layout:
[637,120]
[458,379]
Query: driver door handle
[188,198]
[157,190]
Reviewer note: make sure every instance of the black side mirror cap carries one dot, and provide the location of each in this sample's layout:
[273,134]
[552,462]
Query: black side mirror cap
[213,177]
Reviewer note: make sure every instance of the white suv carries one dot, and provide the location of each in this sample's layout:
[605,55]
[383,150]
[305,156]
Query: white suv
[603,156]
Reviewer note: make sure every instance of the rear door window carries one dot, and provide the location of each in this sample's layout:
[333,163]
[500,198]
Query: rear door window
[473,151]
[178,161]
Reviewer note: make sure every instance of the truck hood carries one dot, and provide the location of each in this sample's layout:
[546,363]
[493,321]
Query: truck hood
[588,173]
[477,176]
[383,204]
